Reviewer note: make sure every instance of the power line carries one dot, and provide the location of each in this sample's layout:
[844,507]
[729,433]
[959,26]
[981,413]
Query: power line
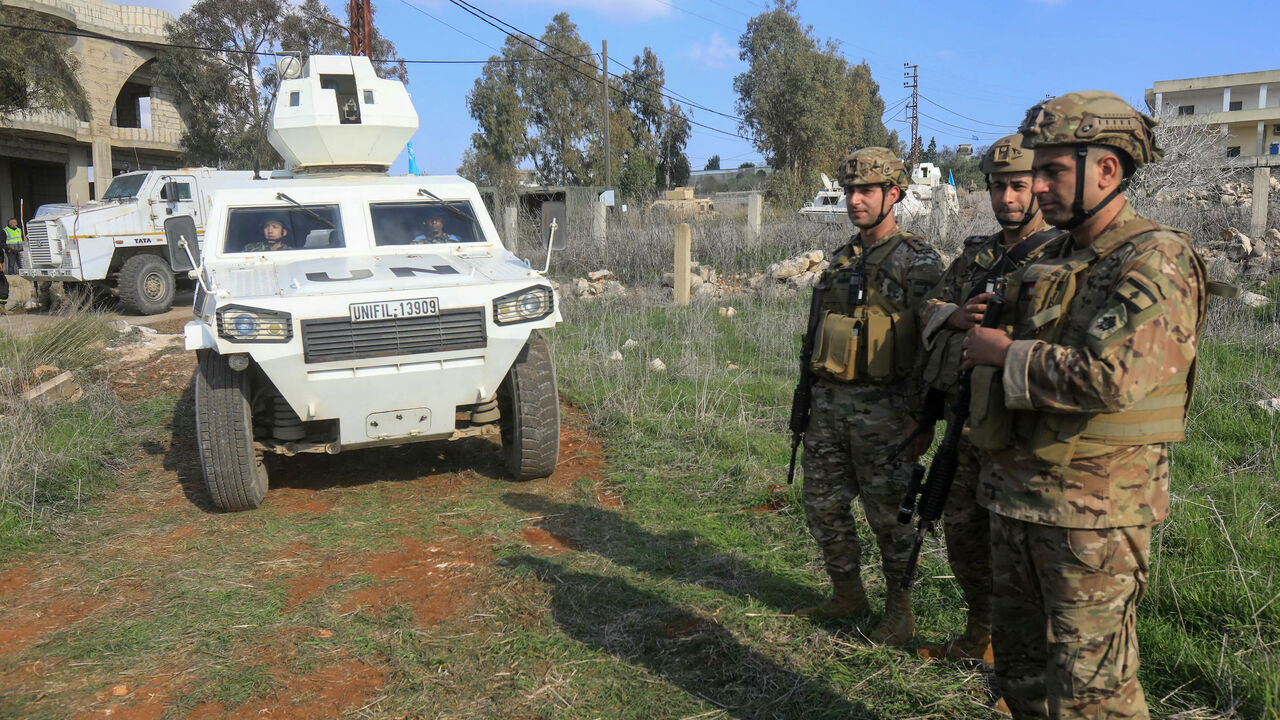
[668,93]
[960,127]
[690,12]
[261,53]
[493,21]
[966,117]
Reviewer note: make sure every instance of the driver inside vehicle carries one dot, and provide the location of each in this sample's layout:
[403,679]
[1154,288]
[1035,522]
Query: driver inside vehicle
[433,229]
[274,235]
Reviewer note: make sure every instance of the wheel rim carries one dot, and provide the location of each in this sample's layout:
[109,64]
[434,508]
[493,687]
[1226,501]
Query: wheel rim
[153,286]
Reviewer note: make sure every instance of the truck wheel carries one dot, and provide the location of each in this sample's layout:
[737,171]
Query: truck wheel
[233,472]
[146,285]
[530,410]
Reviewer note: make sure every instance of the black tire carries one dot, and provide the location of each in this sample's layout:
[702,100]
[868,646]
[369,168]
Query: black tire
[530,411]
[233,472]
[146,285]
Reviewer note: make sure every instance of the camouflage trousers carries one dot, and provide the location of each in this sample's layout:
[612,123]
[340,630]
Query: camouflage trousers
[1066,645]
[850,432]
[968,534]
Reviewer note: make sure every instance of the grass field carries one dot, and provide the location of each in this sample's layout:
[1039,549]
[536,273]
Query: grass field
[701,448]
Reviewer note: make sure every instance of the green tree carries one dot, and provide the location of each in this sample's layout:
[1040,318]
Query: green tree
[224,95]
[802,102]
[713,163]
[37,70]
[930,154]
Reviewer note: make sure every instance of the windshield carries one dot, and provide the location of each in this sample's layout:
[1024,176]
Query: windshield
[276,228]
[123,187]
[424,223]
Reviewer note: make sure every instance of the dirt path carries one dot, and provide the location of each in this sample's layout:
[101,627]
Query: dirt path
[155,606]
[21,323]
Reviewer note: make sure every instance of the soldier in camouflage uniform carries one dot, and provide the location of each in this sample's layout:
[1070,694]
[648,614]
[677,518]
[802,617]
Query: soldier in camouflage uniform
[954,306]
[1076,409]
[865,360]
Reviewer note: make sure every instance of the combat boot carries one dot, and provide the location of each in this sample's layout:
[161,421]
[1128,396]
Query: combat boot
[898,626]
[974,644]
[848,600]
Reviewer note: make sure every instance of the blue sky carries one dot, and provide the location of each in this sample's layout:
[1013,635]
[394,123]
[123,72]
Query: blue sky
[981,64]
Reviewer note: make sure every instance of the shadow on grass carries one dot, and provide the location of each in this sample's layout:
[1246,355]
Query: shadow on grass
[688,650]
[680,555]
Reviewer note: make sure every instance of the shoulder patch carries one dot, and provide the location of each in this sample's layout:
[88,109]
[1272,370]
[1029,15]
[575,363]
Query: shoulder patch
[1136,293]
[1111,321]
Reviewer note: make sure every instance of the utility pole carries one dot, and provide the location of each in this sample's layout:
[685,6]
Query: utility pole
[362,27]
[913,109]
[604,83]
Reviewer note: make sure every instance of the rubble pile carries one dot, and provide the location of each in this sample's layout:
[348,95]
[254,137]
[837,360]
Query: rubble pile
[797,273]
[1246,257]
[601,283]
[1232,194]
[705,282]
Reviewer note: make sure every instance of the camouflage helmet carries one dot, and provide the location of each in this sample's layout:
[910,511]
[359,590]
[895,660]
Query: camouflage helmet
[1092,117]
[874,166]
[1006,155]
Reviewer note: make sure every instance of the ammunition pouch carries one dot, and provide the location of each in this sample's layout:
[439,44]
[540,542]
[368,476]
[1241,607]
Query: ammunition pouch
[872,345]
[990,422]
[943,361]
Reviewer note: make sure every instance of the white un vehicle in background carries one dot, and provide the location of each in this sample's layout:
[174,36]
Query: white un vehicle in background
[117,242]
[340,308]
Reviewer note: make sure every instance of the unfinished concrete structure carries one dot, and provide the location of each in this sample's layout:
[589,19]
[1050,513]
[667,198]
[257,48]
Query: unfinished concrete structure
[1246,106]
[130,123]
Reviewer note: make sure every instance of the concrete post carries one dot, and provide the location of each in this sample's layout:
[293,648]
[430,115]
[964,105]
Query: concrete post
[755,205]
[7,208]
[77,174]
[938,213]
[101,165]
[1261,191]
[510,230]
[684,262]
[599,222]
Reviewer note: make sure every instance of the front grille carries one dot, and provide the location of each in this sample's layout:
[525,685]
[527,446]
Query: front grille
[328,339]
[38,244]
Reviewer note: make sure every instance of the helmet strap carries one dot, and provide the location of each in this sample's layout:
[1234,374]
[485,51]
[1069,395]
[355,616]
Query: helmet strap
[884,212]
[1078,214]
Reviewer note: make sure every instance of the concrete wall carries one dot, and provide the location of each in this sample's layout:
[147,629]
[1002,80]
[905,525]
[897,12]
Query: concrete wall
[106,64]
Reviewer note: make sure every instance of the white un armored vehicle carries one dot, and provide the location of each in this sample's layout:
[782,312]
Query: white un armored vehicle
[340,308]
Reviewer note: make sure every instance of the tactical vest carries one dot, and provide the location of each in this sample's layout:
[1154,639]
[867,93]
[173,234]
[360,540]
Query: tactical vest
[864,336]
[986,273]
[1039,294]
[12,236]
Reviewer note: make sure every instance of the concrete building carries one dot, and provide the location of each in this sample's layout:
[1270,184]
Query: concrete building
[131,122]
[1247,108]
[1246,105]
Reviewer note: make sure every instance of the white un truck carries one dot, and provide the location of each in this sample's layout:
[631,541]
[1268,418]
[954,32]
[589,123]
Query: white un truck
[117,242]
[340,308]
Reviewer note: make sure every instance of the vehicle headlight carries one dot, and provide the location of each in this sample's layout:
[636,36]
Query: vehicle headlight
[525,305]
[245,324]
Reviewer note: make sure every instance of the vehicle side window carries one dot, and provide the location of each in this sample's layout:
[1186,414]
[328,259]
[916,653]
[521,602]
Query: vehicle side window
[424,223]
[184,192]
[279,228]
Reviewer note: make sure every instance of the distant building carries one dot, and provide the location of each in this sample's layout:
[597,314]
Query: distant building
[131,121]
[1246,105]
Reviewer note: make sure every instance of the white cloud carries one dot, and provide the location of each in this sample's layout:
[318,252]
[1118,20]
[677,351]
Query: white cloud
[715,53]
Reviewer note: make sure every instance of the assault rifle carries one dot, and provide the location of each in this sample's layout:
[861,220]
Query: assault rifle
[937,485]
[802,397]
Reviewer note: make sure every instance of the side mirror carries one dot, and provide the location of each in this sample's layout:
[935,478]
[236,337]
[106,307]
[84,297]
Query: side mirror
[171,191]
[180,234]
[551,240]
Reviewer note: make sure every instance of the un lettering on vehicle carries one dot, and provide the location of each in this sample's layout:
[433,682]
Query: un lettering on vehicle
[414,307]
